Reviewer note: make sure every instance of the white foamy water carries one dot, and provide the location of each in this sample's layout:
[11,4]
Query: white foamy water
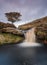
[29,44]
[30,36]
[29,39]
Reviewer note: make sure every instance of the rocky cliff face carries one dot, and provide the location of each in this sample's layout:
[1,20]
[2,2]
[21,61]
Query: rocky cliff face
[41,33]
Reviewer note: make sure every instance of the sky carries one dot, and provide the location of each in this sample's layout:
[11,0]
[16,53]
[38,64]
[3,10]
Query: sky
[29,9]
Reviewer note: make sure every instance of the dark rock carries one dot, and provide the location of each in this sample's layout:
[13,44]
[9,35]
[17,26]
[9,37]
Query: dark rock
[41,33]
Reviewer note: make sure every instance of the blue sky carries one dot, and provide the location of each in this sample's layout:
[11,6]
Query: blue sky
[30,9]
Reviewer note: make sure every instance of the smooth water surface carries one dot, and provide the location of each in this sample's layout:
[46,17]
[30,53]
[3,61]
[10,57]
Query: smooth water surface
[14,55]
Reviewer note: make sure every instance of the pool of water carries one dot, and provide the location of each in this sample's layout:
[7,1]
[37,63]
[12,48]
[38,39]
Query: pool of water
[15,55]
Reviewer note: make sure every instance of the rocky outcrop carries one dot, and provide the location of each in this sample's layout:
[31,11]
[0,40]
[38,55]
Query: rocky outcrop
[9,34]
[12,31]
[4,25]
[33,24]
[41,33]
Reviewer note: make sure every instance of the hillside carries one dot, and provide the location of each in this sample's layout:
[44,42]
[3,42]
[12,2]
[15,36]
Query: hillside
[9,34]
[33,23]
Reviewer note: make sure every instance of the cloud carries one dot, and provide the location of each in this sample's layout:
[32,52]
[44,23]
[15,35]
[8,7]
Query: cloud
[30,9]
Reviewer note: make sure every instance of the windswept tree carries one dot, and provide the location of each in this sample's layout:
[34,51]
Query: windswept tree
[13,16]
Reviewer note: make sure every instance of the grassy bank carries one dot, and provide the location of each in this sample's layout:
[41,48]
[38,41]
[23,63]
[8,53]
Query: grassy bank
[6,38]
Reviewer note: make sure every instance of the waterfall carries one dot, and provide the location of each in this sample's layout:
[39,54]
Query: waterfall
[30,39]
[30,36]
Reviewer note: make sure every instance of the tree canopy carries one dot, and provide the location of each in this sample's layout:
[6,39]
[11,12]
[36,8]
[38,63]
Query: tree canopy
[13,16]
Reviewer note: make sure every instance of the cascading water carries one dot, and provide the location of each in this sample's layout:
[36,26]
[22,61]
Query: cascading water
[29,39]
[30,36]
